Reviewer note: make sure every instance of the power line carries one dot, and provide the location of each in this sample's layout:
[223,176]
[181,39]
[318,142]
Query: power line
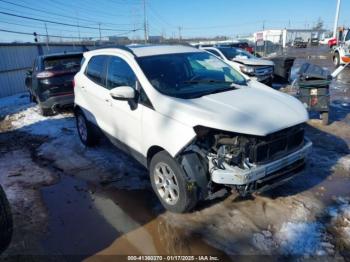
[59,23]
[42,11]
[69,37]
[40,26]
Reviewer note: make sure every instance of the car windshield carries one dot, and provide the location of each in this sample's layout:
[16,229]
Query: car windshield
[63,63]
[189,75]
[231,53]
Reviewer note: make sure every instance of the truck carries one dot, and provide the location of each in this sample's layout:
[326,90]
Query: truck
[341,53]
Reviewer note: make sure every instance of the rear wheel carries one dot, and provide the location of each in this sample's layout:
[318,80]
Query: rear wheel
[45,111]
[85,129]
[173,188]
[6,224]
[336,59]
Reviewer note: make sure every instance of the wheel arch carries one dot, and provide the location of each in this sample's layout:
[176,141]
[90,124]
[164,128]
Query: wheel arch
[151,152]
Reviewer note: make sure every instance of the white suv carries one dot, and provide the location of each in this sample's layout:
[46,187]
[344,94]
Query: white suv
[191,119]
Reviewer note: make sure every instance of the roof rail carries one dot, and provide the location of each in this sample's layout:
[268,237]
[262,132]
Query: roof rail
[123,47]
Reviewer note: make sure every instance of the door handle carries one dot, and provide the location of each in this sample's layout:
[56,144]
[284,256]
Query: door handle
[107,100]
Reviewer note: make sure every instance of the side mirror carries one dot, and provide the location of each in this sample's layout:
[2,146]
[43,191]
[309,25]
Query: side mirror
[29,72]
[122,93]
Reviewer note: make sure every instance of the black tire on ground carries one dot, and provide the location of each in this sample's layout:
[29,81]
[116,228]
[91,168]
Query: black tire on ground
[45,111]
[85,129]
[325,118]
[6,223]
[336,59]
[187,190]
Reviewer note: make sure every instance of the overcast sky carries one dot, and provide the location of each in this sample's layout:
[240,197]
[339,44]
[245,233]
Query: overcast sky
[168,17]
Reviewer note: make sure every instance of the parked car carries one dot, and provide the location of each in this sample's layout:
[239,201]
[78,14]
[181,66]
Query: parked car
[299,43]
[341,53]
[195,122]
[50,81]
[314,41]
[254,67]
[6,223]
[242,45]
[332,42]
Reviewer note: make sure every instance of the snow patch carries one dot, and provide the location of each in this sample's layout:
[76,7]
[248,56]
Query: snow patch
[295,238]
[303,238]
[345,162]
[32,122]
[340,220]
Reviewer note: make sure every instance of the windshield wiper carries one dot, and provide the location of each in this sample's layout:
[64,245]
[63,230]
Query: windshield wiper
[207,81]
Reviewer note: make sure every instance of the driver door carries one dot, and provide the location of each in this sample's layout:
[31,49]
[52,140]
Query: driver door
[125,116]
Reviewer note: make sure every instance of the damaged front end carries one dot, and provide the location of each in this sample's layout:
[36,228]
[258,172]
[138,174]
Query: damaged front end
[246,163]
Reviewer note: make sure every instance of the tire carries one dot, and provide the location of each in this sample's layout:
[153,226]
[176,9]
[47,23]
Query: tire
[167,176]
[85,129]
[336,59]
[6,223]
[45,111]
[325,118]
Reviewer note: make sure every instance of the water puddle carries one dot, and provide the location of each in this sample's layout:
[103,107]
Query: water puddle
[87,220]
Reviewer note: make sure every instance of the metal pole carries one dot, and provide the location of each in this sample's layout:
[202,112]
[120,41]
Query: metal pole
[145,21]
[47,37]
[99,30]
[336,19]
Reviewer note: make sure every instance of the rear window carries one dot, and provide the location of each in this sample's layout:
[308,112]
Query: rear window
[63,63]
[96,69]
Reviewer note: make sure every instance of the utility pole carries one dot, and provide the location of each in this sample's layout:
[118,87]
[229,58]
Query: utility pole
[145,21]
[263,26]
[180,36]
[336,19]
[99,30]
[78,26]
[47,37]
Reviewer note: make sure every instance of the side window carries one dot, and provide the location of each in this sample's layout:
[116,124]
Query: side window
[347,38]
[95,70]
[119,73]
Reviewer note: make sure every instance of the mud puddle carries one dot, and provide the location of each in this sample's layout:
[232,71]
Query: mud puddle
[85,220]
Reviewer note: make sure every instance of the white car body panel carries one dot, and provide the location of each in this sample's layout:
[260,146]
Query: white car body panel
[254,109]
[238,110]
[253,61]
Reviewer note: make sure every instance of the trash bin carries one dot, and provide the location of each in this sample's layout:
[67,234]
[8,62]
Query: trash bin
[283,66]
[313,89]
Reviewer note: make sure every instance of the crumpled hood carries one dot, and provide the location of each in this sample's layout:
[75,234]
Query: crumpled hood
[257,110]
[253,61]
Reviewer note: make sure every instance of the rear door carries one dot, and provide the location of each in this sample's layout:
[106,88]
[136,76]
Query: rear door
[97,101]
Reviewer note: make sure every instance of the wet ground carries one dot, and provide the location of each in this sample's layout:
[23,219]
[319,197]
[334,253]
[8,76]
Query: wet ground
[81,203]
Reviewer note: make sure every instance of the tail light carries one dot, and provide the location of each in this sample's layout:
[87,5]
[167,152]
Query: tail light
[45,74]
[73,82]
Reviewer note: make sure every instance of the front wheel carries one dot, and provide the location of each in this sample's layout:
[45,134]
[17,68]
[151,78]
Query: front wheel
[174,189]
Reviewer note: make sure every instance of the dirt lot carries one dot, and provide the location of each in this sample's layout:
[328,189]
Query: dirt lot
[71,200]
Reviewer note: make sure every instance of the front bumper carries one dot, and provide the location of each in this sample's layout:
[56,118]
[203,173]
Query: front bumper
[233,175]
